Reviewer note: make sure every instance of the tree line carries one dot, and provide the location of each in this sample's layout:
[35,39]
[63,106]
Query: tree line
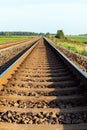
[59,34]
[20,34]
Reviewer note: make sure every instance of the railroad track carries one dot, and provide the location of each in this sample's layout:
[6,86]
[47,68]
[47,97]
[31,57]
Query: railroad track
[43,90]
[10,44]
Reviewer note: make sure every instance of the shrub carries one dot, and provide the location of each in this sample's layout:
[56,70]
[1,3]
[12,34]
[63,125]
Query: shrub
[60,34]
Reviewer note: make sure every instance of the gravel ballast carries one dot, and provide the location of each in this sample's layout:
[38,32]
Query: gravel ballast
[43,118]
[79,60]
[8,53]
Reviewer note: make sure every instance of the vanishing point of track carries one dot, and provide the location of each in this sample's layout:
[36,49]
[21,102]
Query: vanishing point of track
[43,93]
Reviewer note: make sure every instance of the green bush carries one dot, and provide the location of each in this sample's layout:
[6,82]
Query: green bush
[60,34]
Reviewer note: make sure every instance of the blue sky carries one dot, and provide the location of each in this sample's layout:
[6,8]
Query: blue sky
[44,16]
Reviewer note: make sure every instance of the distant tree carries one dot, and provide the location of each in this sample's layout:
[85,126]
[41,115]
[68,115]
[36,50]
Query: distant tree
[7,34]
[60,34]
[47,34]
[41,34]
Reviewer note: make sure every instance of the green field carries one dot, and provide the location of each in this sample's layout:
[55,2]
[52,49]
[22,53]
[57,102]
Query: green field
[76,44]
[79,39]
[10,39]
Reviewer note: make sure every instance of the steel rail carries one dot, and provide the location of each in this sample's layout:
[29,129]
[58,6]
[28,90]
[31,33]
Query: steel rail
[48,55]
[6,74]
[80,74]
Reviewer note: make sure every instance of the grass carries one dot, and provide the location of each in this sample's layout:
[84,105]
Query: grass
[83,53]
[10,39]
[79,39]
[78,45]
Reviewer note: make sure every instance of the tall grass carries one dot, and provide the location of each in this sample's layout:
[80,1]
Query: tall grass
[77,48]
